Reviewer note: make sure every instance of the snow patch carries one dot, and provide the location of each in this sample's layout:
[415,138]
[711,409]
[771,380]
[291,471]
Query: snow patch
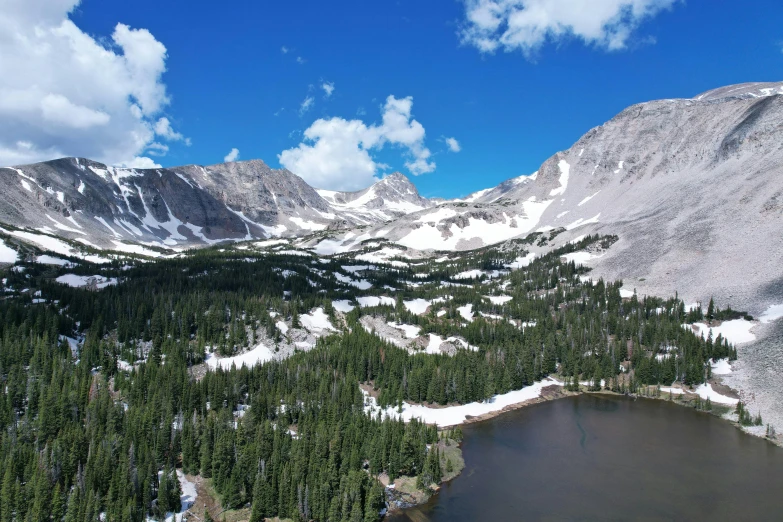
[7,254]
[372,300]
[705,391]
[410,331]
[258,355]
[565,170]
[343,306]
[317,322]
[588,198]
[499,299]
[580,222]
[454,415]
[77,281]
[522,262]
[736,331]
[720,367]
[579,258]
[466,312]
[417,306]
[51,260]
[429,236]
[773,313]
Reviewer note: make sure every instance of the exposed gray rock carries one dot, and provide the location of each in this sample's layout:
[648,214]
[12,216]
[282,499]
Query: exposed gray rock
[187,206]
[692,187]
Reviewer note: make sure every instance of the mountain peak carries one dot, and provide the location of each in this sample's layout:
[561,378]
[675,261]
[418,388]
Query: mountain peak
[396,186]
[245,164]
[396,177]
[742,90]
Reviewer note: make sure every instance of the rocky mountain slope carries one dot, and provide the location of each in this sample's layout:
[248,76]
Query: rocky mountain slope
[175,208]
[690,187]
[392,197]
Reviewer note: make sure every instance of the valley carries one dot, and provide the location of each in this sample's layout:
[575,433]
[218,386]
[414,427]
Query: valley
[265,350]
[228,341]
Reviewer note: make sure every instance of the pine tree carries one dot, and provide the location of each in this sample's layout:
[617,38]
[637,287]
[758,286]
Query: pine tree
[374,503]
[7,504]
[74,505]
[258,513]
[58,503]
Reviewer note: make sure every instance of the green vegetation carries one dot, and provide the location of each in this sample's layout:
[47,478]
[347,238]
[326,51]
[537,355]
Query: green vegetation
[102,429]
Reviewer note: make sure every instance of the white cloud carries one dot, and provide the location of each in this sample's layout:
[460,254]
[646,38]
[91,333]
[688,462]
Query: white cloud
[336,153]
[65,93]
[453,144]
[284,49]
[525,25]
[232,156]
[140,163]
[306,105]
[328,88]
[300,60]
[157,149]
[59,110]
[164,130]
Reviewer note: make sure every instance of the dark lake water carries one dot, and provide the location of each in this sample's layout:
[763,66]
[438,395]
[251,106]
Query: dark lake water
[609,458]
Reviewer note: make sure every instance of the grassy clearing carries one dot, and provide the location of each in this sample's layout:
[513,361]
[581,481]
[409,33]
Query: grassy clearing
[405,490]
[450,452]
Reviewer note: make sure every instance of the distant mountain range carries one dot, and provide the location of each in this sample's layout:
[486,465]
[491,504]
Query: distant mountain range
[187,206]
[690,186]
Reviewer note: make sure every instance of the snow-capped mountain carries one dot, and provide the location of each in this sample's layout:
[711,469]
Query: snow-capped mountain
[392,197]
[689,186]
[133,210]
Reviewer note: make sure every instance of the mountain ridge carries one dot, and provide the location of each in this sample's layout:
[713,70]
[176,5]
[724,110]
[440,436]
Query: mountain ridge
[683,183]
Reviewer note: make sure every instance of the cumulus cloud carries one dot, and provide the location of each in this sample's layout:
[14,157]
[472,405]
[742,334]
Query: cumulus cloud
[64,93]
[525,25]
[232,156]
[453,144]
[157,149]
[164,130]
[140,163]
[306,105]
[337,153]
[328,88]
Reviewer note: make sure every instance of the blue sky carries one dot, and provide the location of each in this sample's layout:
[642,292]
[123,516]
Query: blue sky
[229,84]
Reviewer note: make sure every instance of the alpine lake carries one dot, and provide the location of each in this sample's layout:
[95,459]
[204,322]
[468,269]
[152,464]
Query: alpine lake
[599,457]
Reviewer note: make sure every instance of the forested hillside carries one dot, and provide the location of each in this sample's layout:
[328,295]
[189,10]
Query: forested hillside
[112,392]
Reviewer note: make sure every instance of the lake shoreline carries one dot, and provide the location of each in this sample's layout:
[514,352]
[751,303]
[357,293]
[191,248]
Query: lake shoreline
[491,451]
[556,391]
